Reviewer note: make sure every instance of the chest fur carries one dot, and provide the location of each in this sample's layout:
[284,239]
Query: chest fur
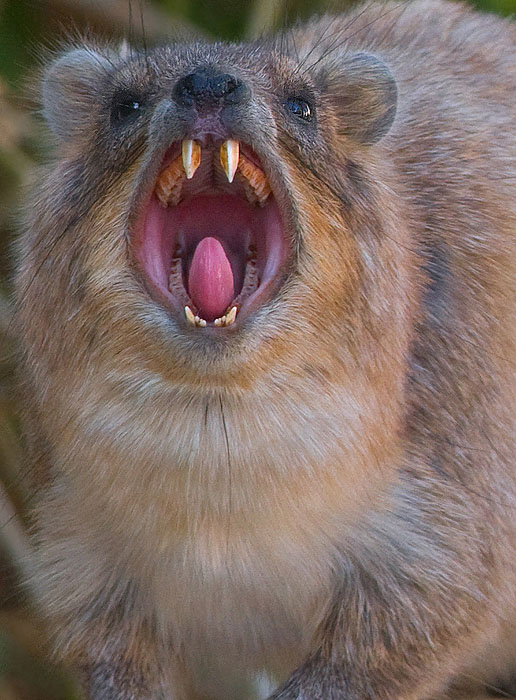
[228,513]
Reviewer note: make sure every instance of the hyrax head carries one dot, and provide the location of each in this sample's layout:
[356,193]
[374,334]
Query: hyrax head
[218,199]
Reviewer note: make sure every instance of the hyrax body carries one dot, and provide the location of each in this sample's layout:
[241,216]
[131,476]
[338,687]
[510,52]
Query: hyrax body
[272,421]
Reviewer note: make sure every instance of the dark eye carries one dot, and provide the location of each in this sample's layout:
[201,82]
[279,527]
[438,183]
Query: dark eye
[301,108]
[125,107]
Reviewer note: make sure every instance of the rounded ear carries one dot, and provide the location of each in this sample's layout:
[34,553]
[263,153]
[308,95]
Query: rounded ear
[364,93]
[70,84]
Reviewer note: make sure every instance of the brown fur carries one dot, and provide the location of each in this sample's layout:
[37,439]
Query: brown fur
[332,489]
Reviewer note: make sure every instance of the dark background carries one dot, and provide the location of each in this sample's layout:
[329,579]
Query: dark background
[28,30]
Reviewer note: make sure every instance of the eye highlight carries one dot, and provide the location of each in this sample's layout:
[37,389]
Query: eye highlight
[125,108]
[300,108]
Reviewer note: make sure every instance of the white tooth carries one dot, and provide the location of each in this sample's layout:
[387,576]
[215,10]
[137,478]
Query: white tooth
[202,323]
[189,316]
[229,157]
[228,319]
[231,315]
[191,157]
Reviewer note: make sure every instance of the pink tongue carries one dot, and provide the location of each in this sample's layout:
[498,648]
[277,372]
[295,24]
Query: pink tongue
[210,279]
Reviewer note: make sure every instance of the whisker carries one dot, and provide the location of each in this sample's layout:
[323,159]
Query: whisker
[336,46]
[230,474]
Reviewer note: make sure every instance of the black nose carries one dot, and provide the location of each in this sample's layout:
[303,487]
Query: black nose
[208,86]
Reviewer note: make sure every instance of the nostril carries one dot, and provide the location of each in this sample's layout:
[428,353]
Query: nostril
[223,85]
[194,84]
[205,85]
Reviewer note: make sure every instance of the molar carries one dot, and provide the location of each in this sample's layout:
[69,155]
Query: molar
[170,183]
[256,179]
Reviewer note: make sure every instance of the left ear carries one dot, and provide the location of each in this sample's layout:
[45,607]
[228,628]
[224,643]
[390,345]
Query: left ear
[364,94]
[70,91]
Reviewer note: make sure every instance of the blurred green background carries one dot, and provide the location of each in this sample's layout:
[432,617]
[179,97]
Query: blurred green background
[28,29]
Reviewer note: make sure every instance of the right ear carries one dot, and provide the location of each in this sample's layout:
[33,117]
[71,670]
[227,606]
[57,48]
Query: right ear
[69,88]
[364,95]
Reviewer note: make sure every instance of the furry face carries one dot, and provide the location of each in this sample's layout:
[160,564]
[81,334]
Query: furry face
[133,117]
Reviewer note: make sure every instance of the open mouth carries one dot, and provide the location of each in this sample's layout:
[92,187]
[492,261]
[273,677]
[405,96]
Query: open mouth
[212,242]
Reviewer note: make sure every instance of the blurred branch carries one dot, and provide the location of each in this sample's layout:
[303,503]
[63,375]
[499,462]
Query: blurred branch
[265,16]
[13,538]
[5,322]
[133,19]
[11,460]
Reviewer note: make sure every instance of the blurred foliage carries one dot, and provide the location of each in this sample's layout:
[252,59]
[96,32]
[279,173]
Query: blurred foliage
[29,28]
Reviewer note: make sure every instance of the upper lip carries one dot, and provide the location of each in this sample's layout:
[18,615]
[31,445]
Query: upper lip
[207,175]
